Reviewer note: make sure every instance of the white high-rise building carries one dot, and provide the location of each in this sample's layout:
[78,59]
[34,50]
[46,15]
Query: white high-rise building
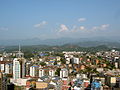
[63,73]
[2,66]
[7,68]
[1,58]
[76,60]
[41,72]
[16,69]
[32,71]
[67,60]
[51,73]
[19,65]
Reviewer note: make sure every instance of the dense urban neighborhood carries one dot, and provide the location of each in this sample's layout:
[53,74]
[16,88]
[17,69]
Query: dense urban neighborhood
[66,70]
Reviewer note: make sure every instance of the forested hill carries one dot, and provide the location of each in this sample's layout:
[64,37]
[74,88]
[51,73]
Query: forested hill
[66,47]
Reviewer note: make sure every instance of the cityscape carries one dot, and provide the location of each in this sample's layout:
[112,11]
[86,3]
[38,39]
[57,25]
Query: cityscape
[67,70]
[60,45]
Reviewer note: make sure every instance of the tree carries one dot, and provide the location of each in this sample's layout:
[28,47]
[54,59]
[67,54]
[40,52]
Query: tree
[63,61]
[58,71]
[55,63]
[28,54]
[42,63]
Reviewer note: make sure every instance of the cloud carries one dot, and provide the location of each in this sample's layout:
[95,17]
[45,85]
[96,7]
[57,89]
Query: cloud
[40,24]
[3,28]
[95,28]
[101,27]
[82,19]
[74,28]
[82,27]
[63,28]
[105,26]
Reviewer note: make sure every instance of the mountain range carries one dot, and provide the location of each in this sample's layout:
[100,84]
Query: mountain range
[83,42]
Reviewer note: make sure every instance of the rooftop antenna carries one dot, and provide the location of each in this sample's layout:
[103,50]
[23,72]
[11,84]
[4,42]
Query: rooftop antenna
[19,51]
[19,48]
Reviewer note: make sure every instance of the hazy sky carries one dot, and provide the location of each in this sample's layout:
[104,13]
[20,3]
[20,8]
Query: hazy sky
[23,19]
